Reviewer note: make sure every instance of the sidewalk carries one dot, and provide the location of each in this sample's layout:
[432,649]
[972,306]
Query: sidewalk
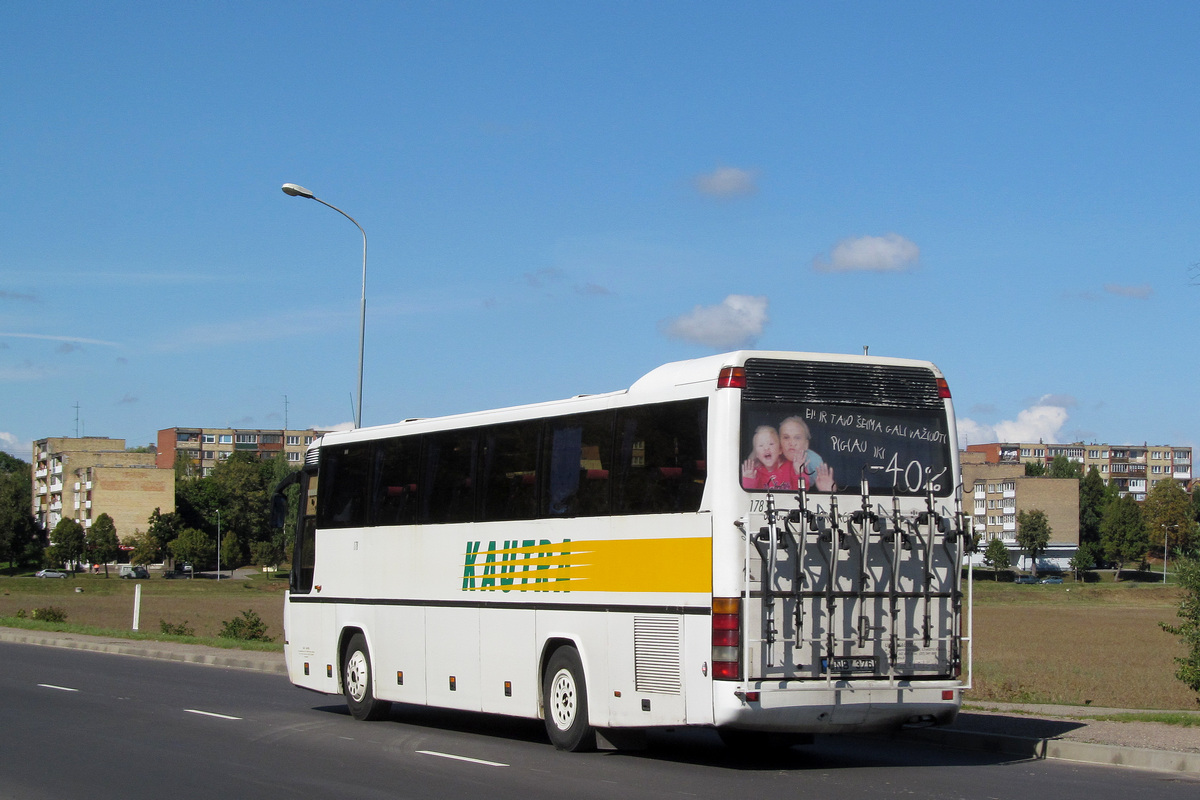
[1069,733]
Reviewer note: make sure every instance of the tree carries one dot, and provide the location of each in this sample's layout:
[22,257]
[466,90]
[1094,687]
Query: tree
[1091,506]
[997,556]
[18,530]
[1033,534]
[1188,572]
[67,542]
[1063,467]
[192,546]
[163,528]
[1034,469]
[1085,558]
[102,541]
[231,551]
[1169,515]
[1123,532]
[147,548]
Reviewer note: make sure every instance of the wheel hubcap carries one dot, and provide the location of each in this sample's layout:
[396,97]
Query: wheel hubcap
[356,676]
[563,700]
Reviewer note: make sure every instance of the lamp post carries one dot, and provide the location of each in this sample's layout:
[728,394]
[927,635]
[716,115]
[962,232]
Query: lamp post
[1165,548]
[299,191]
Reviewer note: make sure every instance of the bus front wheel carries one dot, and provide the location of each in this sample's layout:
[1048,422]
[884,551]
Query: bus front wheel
[564,697]
[357,682]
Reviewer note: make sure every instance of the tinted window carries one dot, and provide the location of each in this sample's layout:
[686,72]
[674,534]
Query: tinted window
[448,477]
[394,493]
[662,452]
[578,464]
[508,473]
[343,485]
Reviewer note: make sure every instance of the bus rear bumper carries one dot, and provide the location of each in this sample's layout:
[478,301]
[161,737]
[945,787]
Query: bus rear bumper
[840,708]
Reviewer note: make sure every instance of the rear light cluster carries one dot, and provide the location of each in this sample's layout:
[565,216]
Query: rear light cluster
[727,638]
[732,378]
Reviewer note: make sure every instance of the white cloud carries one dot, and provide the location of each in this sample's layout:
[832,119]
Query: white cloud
[1136,292]
[1041,422]
[727,182]
[69,340]
[11,444]
[737,322]
[889,253]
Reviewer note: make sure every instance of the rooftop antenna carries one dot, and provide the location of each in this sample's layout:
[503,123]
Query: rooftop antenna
[285,412]
[76,419]
[866,347]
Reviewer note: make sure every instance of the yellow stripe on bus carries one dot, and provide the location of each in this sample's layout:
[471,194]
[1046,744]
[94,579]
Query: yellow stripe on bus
[609,565]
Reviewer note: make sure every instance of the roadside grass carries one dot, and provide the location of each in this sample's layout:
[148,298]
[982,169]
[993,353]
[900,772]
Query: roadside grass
[104,606]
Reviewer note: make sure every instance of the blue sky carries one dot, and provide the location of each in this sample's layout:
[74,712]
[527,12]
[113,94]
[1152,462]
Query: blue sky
[561,196]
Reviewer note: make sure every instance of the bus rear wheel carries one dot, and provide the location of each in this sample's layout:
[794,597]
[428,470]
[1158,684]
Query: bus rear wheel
[564,699]
[357,682]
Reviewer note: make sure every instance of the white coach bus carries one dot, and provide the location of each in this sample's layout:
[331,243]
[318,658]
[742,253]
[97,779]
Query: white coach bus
[763,543]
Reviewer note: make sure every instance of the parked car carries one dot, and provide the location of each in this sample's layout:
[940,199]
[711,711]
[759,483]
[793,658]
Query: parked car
[134,571]
[1052,579]
[1025,579]
[50,573]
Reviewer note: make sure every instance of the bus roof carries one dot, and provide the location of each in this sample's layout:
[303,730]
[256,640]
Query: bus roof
[699,373]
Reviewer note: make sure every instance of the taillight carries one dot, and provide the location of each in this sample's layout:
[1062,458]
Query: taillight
[727,638]
[943,389]
[732,378]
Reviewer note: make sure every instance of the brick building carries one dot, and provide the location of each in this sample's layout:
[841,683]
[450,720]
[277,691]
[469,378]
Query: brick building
[204,448]
[83,478]
[995,493]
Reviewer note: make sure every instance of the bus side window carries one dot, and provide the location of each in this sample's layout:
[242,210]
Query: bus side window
[342,502]
[304,555]
[662,459]
[578,459]
[509,472]
[448,477]
[394,493]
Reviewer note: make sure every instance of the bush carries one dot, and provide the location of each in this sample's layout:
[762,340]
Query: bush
[248,627]
[182,629]
[50,614]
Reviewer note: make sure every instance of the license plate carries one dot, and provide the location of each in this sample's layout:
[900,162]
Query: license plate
[849,664]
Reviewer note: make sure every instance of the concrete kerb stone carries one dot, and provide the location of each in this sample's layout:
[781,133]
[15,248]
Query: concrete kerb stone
[1021,747]
[253,660]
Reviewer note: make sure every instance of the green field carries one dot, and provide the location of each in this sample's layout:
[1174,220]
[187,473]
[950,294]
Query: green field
[1074,644]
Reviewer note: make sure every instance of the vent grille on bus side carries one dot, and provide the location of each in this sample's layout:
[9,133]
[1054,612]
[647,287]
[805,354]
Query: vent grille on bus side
[777,381]
[656,655]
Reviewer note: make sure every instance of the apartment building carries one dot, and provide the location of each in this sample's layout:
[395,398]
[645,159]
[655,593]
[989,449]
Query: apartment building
[206,447]
[995,493]
[1134,468]
[82,478]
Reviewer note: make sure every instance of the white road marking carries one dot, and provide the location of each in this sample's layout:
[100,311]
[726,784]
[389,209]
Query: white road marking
[209,714]
[59,688]
[461,758]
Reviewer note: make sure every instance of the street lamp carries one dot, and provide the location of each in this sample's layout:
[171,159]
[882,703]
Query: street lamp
[299,191]
[1165,547]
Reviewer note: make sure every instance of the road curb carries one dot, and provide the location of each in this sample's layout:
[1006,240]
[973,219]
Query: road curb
[255,661]
[1058,749]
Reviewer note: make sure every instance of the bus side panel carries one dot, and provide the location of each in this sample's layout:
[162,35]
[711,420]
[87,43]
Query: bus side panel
[400,655]
[452,658]
[509,662]
[645,666]
[310,651]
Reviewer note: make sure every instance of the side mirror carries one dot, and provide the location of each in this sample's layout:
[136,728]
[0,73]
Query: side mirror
[279,510]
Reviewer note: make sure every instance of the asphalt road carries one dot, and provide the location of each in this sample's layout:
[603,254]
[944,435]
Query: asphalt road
[77,724]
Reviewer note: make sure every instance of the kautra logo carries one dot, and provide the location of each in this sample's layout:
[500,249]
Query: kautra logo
[522,564]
